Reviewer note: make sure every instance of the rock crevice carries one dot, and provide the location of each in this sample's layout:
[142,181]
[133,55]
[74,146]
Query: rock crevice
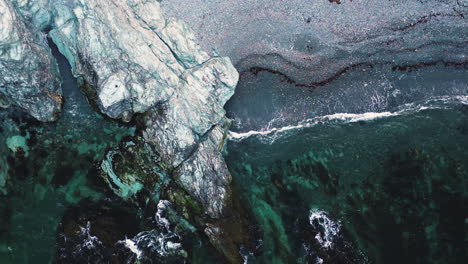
[29,76]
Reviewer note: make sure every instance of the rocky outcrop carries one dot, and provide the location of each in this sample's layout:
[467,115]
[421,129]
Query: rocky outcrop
[130,59]
[29,75]
[131,56]
[134,64]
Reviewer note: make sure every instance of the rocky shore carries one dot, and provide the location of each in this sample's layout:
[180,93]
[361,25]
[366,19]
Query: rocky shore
[134,65]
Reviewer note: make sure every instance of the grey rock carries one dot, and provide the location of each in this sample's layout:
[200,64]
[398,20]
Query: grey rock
[195,110]
[29,75]
[205,175]
[133,60]
[126,51]
[36,12]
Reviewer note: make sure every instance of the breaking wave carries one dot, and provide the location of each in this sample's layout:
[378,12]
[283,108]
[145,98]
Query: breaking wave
[272,134]
[163,243]
[327,229]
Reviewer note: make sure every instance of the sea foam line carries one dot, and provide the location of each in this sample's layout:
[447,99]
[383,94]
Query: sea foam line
[350,118]
[313,121]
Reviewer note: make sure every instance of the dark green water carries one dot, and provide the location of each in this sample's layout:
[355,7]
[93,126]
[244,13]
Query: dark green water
[53,168]
[398,186]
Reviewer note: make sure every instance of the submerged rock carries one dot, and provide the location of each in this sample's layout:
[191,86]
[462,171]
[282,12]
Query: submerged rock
[90,231]
[130,59]
[110,232]
[131,167]
[28,72]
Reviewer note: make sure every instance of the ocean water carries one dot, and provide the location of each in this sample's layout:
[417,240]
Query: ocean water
[348,144]
[369,168]
[394,187]
[56,208]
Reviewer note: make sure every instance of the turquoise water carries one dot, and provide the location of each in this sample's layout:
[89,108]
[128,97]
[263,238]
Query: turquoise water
[348,145]
[396,186]
[370,167]
[54,169]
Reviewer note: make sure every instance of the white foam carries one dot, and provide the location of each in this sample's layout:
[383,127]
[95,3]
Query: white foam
[330,228]
[91,241]
[130,244]
[160,241]
[347,117]
[162,221]
[434,103]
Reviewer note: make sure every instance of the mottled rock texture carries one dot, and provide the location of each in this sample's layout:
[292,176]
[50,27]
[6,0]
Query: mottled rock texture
[28,73]
[134,64]
[129,60]
[133,60]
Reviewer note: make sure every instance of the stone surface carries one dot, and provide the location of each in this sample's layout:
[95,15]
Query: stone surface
[28,72]
[134,64]
[205,175]
[35,12]
[348,144]
[129,59]
[133,60]
[128,52]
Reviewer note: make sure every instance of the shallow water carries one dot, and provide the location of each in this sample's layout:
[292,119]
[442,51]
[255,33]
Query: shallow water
[56,207]
[57,171]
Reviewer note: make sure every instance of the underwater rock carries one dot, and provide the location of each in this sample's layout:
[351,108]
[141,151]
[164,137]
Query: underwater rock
[130,62]
[89,232]
[29,75]
[131,167]
[106,231]
[161,73]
